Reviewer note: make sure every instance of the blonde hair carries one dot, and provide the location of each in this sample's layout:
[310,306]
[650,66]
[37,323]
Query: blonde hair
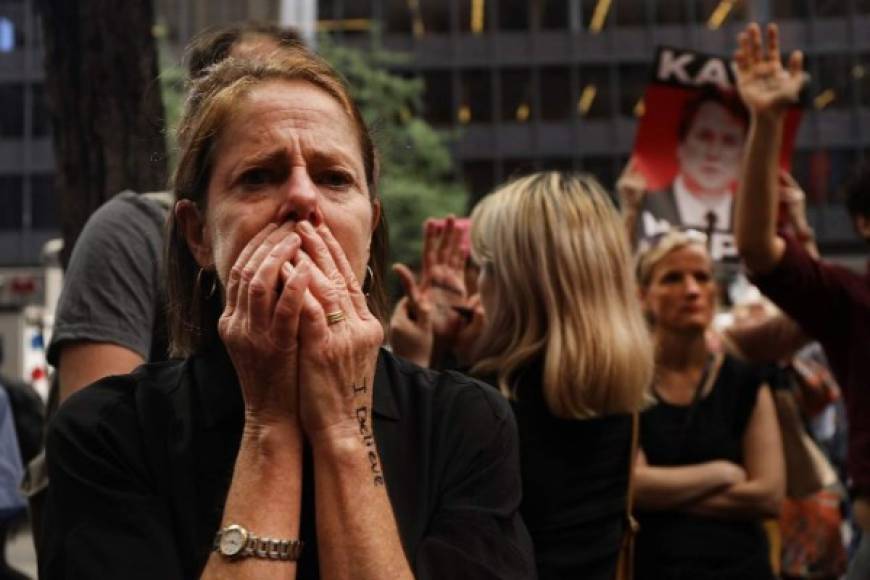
[673,240]
[564,292]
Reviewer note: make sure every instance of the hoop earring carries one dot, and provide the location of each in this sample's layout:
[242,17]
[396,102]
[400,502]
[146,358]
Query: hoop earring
[369,280]
[213,288]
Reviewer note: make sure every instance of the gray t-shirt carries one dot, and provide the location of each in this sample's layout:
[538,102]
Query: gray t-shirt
[112,288]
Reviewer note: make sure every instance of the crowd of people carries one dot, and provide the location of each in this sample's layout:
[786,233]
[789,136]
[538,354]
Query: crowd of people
[548,399]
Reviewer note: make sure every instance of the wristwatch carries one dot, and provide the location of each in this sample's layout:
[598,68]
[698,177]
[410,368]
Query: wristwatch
[234,541]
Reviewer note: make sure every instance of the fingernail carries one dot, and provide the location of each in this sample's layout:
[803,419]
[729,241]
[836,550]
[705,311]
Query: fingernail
[306,227]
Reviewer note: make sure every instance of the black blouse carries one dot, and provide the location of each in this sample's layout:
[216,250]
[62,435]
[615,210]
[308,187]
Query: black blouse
[140,466]
[673,544]
[575,481]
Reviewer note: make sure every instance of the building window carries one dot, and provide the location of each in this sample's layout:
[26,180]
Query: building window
[555,91]
[438,98]
[435,15]
[597,14]
[554,14]
[671,12]
[784,9]
[602,167]
[831,8]
[7,35]
[514,168]
[43,213]
[834,86]
[12,111]
[717,13]
[479,177]
[631,13]
[564,164]
[398,17]
[475,99]
[11,200]
[41,117]
[474,16]
[516,95]
[513,15]
[593,102]
[633,80]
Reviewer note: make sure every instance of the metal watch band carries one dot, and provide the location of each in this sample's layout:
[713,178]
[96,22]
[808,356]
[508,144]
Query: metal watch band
[273,548]
[256,547]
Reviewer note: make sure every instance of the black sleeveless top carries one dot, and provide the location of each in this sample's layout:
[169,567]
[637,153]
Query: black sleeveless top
[674,545]
[575,481]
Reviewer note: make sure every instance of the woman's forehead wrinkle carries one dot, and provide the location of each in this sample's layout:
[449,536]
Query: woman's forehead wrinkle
[309,130]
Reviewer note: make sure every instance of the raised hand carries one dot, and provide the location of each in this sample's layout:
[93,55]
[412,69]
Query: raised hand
[764,84]
[411,334]
[259,324]
[442,277]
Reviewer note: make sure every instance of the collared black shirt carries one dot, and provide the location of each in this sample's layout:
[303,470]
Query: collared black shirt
[140,466]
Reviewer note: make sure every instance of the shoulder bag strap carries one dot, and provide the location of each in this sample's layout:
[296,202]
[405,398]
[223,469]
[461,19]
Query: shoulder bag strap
[625,563]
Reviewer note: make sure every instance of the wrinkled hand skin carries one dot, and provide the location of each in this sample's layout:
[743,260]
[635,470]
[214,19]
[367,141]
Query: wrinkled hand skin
[336,361]
[259,326]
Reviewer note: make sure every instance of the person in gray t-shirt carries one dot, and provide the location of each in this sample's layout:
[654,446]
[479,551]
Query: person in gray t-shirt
[109,317]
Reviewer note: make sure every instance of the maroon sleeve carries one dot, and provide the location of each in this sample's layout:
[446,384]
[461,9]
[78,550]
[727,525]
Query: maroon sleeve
[816,294]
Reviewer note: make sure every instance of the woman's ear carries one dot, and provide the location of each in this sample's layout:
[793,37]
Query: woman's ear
[191,223]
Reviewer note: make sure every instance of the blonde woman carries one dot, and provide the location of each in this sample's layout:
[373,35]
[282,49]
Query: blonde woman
[711,465]
[565,341]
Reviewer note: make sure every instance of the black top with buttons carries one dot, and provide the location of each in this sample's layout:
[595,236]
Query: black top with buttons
[140,466]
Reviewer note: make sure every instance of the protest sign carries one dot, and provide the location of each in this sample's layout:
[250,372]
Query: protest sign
[689,148]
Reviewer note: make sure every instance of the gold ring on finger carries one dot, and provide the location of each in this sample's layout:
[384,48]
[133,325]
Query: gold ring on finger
[334,317]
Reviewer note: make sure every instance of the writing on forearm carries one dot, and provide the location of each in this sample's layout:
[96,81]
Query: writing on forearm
[368,438]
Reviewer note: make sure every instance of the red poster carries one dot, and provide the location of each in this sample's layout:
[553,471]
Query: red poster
[689,147]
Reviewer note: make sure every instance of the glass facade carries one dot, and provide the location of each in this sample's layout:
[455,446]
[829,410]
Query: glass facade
[536,84]
[28,208]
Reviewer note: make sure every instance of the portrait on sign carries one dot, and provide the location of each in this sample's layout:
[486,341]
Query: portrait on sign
[689,147]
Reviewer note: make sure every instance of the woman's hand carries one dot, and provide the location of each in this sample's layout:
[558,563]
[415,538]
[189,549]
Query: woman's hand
[442,276]
[730,472]
[764,85]
[411,334]
[259,325]
[339,340]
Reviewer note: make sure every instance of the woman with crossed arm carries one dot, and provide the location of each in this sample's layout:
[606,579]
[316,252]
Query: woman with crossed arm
[711,466]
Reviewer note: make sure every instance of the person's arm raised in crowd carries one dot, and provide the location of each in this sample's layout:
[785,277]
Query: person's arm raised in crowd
[631,189]
[357,534]
[767,89]
[82,363]
[441,284]
[667,488]
[761,494]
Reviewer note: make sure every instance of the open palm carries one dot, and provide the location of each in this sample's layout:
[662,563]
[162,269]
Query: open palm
[764,84]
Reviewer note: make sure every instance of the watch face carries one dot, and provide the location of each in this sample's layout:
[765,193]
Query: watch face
[233,540]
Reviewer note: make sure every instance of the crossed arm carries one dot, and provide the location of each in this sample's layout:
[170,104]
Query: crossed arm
[720,488]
